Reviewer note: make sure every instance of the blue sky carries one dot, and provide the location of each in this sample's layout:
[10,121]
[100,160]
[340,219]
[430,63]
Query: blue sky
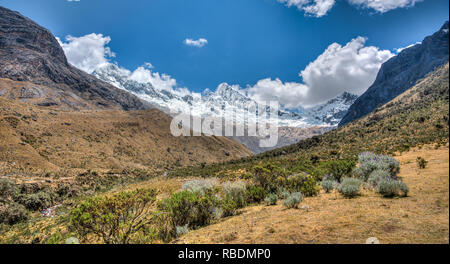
[247,41]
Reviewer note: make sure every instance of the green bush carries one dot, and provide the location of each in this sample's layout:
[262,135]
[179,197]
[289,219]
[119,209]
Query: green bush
[389,189]
[421,163]
[271,199]
[350,187]
[13,213]
[338,169]
[8,190]
[118,219]
[228,207]
[36,201]
[255,194]
[236,192]
[293,200]
[189,208]
[266,177]
[328,185]
[304,183]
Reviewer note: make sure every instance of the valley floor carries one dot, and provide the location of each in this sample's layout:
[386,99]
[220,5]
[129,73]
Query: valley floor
[423,217]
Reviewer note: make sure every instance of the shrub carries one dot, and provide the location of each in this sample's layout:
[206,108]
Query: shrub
[114,219]
[8,190]
[350,187]
[200,186]
[228,207]
[391,189]
[36,201]
[378,175]
[182,230]
[189,208]
[266,176]
[255,194]
[369,162]
[283,194]
[14,213]
[337,169]
[236,192]
[272,199]
[293,200]
[421,163]
[306,184]
[328,185]
[68,190]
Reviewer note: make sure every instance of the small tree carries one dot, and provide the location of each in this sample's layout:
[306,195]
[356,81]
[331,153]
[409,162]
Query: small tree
[114,219]
[421,163]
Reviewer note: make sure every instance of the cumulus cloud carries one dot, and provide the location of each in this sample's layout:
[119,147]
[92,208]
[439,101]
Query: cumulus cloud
[88,52]
[316,8]
[288,94]
[351,68]
[384,5]
[196,43]
[319,8]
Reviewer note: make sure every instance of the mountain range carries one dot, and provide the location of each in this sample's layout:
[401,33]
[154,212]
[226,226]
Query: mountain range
[225,101]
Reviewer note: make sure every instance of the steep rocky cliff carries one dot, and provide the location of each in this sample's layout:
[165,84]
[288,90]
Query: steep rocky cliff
[402,72]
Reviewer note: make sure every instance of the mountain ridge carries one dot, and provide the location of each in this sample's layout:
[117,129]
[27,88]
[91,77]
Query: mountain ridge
[401,72]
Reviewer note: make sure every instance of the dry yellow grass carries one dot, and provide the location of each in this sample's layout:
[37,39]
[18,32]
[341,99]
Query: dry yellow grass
[423,217]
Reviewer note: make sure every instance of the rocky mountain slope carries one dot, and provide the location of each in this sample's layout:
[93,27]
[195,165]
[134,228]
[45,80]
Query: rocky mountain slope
[401,72]
[30,55]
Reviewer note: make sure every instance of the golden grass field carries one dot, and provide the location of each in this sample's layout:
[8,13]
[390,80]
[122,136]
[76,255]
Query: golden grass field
[423,217]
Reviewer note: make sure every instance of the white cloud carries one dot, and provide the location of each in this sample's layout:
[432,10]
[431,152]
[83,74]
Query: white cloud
[196,43]
[287,94]
[319,8]
[352,68]
[87,52]
[73,0]
[409,46]
[316,8]
[384,5]
[90,52]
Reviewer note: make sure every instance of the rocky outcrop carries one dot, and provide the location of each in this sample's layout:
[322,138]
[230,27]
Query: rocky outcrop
[30,53]
[402,72]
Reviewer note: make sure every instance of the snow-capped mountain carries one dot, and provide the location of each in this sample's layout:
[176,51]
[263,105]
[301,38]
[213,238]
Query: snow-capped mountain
[335,109]
[227,101]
